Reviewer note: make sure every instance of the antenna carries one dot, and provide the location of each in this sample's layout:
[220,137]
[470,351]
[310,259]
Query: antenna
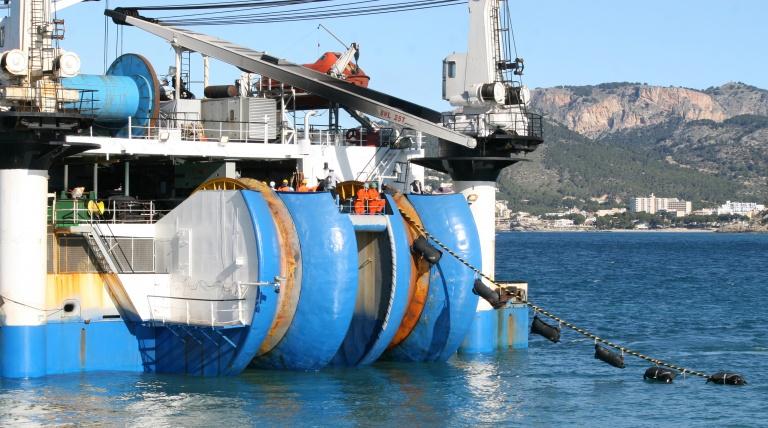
[332,35]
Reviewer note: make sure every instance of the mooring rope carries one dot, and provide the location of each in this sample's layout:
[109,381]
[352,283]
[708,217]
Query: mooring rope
[548,314]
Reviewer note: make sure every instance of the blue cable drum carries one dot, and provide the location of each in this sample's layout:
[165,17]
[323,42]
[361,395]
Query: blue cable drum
[371,332]
[451,304]
[328,285]
[129,89]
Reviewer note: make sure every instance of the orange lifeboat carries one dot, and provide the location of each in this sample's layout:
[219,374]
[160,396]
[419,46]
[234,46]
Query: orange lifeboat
[305,101]
[352,73]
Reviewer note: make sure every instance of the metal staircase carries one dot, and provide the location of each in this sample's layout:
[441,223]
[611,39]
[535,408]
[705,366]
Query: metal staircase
[373,170]
[101,251]
[108,253]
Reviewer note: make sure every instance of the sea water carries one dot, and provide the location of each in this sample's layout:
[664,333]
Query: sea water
[697,300]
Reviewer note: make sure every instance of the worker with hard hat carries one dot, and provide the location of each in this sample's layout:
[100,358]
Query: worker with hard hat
[284,186]
[361,200]
[375,203]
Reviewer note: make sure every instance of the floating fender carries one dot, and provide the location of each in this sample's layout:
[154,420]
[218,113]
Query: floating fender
[724,378]
[659,374]
[450,305]
[543,329]
[328,285]
[608,356]
[422,248]
[487,293]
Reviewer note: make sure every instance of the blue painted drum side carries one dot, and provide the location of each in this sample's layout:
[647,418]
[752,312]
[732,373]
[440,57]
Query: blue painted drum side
[328,289]
[451,305]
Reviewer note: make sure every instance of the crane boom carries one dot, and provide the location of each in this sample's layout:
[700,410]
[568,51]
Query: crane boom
[374,103]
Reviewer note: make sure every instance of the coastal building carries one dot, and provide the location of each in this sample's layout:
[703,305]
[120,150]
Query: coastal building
[740,208]
[612,211]
[705,211]
[652,205]
[503,215]
[563,223]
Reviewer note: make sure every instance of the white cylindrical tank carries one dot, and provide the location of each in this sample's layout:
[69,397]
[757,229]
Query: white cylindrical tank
[481,196]
[67,64]
[13,63]
[23,256]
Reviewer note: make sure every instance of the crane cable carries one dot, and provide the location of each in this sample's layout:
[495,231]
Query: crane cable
[548,314]
[338,10]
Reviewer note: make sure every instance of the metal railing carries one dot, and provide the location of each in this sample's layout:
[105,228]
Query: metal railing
[82,211]
[190,127]
[367,207]
[196,312]
[524,125]
[51,98]
[236,310]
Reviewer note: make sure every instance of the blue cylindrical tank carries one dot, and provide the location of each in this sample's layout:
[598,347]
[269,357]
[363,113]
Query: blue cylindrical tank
[107,98]
[129,89]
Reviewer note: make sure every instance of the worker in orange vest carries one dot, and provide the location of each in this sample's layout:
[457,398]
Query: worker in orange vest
[375,203]
[361,200]
[303,186]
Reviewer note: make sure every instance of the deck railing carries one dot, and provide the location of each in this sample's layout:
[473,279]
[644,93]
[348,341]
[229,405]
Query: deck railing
[192,128]
[87,211]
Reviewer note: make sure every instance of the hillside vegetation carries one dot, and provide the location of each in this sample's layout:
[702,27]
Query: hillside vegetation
[612,141]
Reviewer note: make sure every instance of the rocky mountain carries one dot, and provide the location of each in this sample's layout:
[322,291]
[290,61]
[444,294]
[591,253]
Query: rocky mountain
[615,140]
[595,111]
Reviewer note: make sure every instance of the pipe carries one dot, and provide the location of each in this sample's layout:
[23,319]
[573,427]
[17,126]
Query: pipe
[206,71]
[306,124]
[95,192]
[220,91]
[177,76]
[127,179]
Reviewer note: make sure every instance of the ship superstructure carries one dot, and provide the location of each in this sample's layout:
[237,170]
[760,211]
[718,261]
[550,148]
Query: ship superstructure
[168,251]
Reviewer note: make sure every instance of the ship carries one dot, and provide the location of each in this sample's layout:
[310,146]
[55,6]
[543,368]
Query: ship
[143,228]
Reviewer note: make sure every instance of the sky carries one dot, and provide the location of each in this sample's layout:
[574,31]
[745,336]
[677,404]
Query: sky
[690,43]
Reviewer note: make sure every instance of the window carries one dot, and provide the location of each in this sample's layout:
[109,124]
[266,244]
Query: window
[451,69]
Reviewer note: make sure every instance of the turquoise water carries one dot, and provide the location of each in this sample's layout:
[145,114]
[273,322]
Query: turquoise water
[698,300]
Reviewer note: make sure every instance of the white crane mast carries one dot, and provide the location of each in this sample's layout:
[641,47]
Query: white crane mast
[474,81]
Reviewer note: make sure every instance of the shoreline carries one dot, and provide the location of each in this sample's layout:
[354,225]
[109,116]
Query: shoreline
[673,230]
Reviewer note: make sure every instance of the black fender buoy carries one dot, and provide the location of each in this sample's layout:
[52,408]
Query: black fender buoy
[724,378]
[659,374]
[608,356]
[541,328]
[488,293]
[424,249]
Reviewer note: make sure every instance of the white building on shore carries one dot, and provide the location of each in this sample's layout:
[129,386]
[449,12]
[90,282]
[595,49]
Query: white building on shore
[652,205]
[740,208]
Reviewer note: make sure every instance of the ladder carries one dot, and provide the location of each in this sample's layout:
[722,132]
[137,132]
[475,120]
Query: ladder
[40,35]
[498,54]
[186,68]
[103,252]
